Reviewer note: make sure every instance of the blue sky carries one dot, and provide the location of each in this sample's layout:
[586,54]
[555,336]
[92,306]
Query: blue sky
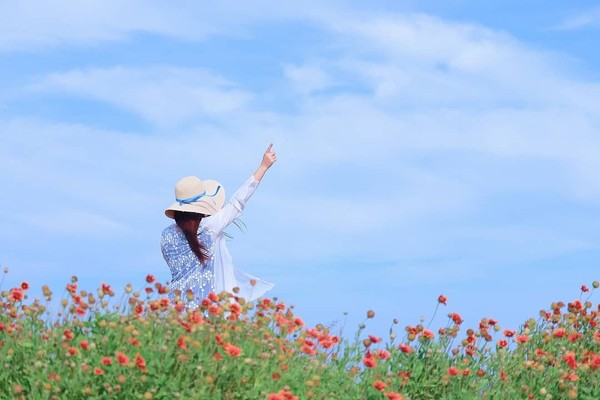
[424,147]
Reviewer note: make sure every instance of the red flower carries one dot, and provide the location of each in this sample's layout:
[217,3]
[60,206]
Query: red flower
[232,350]
[502,343]
[522,339]
[442,299]
[68,334]
[98,371]
[106,361]
[508,333]
[503,375]
[574,336]
[453,371]
[570,360]
[150,278]
[427,334]
[384,355]
[379,385]
[122,358]
[72,351]
[559,332]
[181,343]
[456,318]
[584,288]
[140,362]
[570,377]
[213,297]
[369,362]
[374,339]
[24,285]
[107,290]
[405,348]
[393,396]
[217,357]
[79,311]
[84,345]
[16,294]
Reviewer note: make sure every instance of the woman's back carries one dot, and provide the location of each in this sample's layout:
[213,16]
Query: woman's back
[191,278]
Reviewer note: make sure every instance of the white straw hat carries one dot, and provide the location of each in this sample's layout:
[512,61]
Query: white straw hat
[196,196]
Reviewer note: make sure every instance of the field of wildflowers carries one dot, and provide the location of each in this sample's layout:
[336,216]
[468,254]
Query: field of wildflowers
[142,345]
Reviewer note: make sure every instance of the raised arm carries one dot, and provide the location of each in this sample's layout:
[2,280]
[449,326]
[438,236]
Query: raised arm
[234,208]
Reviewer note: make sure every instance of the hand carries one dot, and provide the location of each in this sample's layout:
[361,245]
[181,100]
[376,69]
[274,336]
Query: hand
[269,157]
[268,160]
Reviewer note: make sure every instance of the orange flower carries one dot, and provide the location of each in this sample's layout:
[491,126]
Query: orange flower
[369,362]
[574,336]
[456,318]
[298,322]
[374,339]
[405,348]
[232,350]
[522,339]
[383,354]
[98,371]
[427,334]
[570,377]
[213,297]
[107,290]
[393,396]
[16,294]
[379,385]
[559,332]
[140,362]
[442,299]
[122,358]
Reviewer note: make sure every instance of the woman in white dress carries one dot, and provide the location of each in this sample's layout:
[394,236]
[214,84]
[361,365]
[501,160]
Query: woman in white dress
[194,247]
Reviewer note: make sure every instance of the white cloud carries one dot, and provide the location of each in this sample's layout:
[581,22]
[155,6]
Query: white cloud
[307,79]
[163,95]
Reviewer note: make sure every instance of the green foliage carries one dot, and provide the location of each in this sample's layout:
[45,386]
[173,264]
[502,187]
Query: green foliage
[145,346]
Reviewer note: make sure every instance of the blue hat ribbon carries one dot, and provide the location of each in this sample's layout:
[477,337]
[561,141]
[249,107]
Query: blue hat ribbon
[196,198]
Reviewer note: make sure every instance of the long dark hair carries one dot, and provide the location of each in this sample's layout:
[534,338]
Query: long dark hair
[188,223]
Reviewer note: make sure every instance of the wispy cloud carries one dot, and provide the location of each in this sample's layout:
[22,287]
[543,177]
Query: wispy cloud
[585,19]
[159,94]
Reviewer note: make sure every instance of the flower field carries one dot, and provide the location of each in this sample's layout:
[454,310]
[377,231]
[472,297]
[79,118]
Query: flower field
[141,344]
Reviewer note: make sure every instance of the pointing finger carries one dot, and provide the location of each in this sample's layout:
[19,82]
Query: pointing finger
[269,148]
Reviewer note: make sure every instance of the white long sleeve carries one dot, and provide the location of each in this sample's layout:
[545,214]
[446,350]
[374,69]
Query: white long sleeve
[233,209]
[227,277]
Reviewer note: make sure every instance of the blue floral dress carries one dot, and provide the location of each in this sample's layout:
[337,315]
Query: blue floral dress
[189,277]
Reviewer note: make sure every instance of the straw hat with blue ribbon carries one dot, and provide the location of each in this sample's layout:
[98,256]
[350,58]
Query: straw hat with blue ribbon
[197,196]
